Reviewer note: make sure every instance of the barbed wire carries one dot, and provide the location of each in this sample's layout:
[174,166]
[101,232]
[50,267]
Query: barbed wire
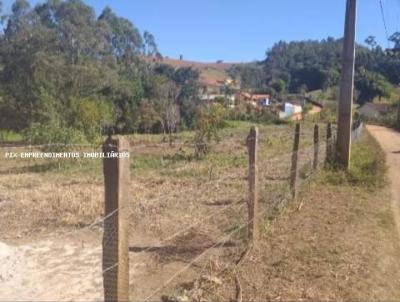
[220,242]
[187,228]
[307,178]
[213,182]
[175,143]
[305,153]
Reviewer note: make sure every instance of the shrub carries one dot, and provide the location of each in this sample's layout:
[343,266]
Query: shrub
[367,166]
[9,136]
[208,121]
[54,137]
[252,114]
[90,115]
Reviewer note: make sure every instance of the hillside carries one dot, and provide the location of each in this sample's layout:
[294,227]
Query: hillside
[210,73]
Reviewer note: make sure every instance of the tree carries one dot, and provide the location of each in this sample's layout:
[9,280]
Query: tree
[208,122]
[395,38]
[148,117]
[90,116]
[186,84]
[371,85]
[250,76]
[172,118]
[279,86]
[123,38]
[310,64]
[371,42]
[150,44]
[58,52]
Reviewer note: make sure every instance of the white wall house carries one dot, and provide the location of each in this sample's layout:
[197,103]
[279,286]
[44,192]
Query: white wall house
[290,110]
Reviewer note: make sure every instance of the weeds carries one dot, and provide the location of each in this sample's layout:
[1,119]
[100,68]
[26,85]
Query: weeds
[7,136]
[367,168]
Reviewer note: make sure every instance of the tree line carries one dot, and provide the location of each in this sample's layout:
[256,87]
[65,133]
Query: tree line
[303,66]
[67,74]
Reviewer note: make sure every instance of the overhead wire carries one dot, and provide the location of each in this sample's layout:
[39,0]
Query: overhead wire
[384,22]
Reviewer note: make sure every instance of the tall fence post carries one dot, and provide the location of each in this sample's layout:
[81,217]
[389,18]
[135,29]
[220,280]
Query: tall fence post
[316,148]
[115,236]
[295,156]
[252,145]
[329,144]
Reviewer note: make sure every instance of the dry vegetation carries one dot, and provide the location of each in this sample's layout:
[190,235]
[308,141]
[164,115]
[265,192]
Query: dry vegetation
[340,244]
[336,242]
[40,195]
[209,72]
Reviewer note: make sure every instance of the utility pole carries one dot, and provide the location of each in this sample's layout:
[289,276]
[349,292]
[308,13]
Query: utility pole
[347,86]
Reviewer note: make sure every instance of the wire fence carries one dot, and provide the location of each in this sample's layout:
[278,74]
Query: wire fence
[194,225]
[275,194]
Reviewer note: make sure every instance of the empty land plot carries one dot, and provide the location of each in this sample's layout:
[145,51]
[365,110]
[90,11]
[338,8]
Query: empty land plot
[180,206]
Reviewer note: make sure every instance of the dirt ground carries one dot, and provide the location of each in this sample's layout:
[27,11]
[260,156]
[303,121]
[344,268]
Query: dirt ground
[51,269]
[47,254]
[390,142]
[335,243]
[338,243]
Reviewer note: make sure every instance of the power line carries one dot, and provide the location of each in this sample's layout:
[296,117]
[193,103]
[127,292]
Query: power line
[384,22]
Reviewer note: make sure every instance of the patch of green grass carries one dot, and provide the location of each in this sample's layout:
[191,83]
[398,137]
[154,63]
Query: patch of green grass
[7,136]
[149,162]
[146,162]
[224,160]
[367,168]
[70,166]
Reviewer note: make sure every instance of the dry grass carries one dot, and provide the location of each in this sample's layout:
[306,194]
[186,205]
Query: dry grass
[210,73]
[167,183]
[170,191]
[341,245]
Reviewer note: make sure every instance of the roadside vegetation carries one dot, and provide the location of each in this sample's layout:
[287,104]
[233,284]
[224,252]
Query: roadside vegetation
[367,169]
[337,242]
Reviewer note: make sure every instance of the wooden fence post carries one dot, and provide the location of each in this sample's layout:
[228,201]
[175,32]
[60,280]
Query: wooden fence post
[115,236]
[252,145]
[329,144]
[316,148]
[295,156]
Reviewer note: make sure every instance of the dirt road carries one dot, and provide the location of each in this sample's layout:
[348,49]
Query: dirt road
[52,269]
[390,142]
[67,267]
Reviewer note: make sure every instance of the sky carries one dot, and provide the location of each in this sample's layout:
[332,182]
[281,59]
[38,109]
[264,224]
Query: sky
[243,30]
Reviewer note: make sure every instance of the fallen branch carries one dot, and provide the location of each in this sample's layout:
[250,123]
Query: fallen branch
[239,293]
[244,255]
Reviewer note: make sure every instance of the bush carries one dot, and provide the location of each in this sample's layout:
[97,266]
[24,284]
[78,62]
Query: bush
[387,120]
[252,114]
[57,137]
[90,115]
[367,168]
[208,122]
[368,165]
[8,136]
